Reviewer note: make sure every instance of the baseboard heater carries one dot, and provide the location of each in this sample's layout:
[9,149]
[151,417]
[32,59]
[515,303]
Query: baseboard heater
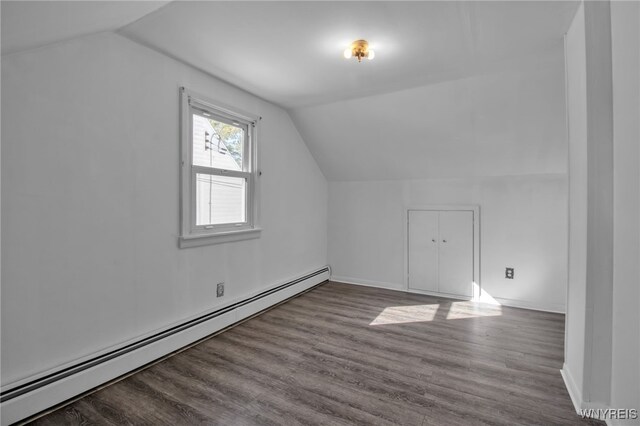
[229,314]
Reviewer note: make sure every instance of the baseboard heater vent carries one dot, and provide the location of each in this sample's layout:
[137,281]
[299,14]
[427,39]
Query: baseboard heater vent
[93,362]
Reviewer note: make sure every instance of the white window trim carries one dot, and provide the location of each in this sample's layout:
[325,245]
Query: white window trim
[190,234]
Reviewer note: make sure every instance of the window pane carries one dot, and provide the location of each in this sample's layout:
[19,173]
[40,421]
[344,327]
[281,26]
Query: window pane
[219,199]
[217,144]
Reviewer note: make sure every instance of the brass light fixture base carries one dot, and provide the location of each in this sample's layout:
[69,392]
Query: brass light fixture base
[359,49]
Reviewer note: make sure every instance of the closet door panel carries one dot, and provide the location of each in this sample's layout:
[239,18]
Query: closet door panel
[423,250]
[456,253]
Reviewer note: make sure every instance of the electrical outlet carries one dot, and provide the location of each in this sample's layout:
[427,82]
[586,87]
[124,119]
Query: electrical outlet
[508,273]
[220,290]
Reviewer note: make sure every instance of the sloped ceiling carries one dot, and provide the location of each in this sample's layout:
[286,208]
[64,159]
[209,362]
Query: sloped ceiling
[30,24]
[457,88]
[497,123]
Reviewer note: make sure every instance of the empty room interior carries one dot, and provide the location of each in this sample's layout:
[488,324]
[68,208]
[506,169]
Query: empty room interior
[320,212]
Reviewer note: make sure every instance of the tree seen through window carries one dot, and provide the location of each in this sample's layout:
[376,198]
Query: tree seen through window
[232,137]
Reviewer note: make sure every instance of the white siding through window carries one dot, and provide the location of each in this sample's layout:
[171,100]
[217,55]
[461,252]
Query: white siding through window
[221,198]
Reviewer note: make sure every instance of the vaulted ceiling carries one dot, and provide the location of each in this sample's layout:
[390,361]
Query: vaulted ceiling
[290,53]
[457,88]
[496,123]
[31,24]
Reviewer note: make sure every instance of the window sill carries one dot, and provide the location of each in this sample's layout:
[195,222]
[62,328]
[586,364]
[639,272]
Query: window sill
[219,238]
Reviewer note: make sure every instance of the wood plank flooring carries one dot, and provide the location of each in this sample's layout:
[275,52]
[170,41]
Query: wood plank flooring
[343,354]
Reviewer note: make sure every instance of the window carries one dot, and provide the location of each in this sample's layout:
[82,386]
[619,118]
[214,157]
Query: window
[218,190]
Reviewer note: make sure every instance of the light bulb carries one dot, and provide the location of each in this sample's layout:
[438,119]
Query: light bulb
[347,53]
[371,54]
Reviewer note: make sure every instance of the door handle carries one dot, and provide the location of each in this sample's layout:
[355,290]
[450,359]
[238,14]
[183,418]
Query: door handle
[444,241]
[433,240]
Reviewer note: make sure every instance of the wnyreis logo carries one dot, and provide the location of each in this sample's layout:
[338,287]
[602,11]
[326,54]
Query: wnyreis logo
[610,413]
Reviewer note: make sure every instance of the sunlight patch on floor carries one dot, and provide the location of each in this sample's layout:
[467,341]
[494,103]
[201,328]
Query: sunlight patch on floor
[427,313]
[406,314]
[482,305]
[461,310]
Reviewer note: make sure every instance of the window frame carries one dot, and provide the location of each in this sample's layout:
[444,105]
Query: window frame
[191,234]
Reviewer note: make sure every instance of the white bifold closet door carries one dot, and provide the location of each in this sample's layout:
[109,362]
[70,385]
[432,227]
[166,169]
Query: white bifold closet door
[441,251]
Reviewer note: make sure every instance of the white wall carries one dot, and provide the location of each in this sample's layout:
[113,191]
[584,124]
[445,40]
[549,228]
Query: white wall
[523,225]
[497,139]
[625,383]
[602,363]
[90,202]
[577,124]
[588,357]
[599,202]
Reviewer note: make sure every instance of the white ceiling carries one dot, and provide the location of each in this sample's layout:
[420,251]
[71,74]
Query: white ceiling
[29,24]
[291,52]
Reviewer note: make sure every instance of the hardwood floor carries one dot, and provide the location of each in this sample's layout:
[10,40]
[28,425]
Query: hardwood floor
[344,354]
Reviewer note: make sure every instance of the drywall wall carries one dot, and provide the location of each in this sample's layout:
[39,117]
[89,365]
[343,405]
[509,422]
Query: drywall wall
[90,202]
[523,225]
[599,202]
[602,344]
[577,124]
[497,139]
[625,381]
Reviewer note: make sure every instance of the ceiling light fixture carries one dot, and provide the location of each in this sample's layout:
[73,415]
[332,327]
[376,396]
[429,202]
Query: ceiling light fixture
[359,49]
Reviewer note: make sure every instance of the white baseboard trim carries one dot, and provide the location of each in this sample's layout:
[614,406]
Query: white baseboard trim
[436,294]
[367,283]
[556,309]
[574,392]
[46,394]
[576,397]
